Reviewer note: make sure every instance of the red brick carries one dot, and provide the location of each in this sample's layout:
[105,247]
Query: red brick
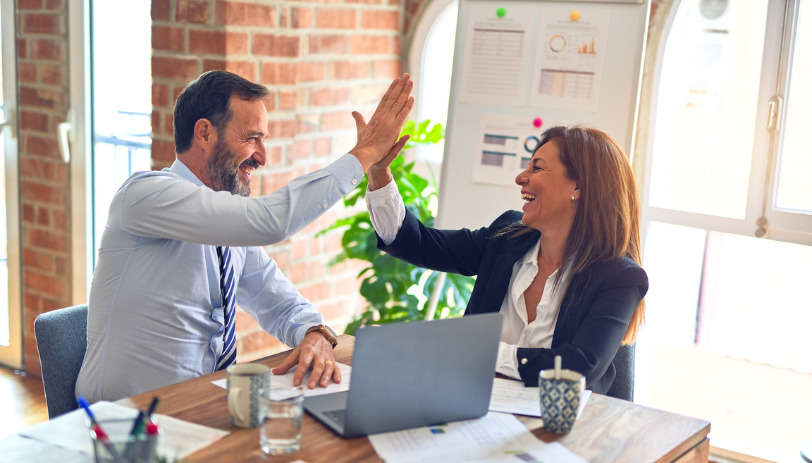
[287,100]
[27,73]
[55,172]
[40,98]
[276,45]
[22,49]
[42,23]
[208,65]
[62,266]
[29,4]
[47,50]
[306,123]
[246,69]
[43,217]
[176,68]
[335,19]
[346,70]
[274,181]
[37,260]
[278,73]
[160,95]
[315,291]
[60,219]
[309,71]
[381,20]
[163,150]
[244,14]
[192,11]
[330,96]
[168,38]
[44,283]
[386,68]
[42,193]
[301,18]
[160,10]
[33,121]
[369,44]
[42,146]
[52,75]
[337,121]
[327,44]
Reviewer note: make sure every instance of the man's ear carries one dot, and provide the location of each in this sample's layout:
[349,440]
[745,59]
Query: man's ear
[205,135]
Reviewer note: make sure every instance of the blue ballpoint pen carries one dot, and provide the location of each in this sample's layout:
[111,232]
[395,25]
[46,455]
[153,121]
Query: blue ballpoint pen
[100,434]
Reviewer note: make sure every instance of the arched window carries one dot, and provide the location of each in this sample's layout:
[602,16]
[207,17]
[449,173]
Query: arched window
[431,54]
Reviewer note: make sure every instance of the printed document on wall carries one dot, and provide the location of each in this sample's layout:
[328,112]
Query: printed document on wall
[570,57]
[506,145]
[496,64]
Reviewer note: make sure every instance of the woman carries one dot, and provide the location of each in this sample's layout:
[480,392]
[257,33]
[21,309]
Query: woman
[565,271]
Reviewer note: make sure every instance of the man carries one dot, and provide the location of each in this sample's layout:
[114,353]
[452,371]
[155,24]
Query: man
[182,246]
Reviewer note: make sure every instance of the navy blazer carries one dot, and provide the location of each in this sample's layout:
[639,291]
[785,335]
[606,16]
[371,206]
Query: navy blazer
[595,310]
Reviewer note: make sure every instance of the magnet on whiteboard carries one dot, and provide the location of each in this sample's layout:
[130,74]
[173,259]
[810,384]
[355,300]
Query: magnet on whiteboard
[501,12]
[537,122]
[575,15]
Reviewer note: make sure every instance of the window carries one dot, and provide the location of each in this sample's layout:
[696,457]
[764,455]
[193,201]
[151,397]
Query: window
[430,59]
[728,224]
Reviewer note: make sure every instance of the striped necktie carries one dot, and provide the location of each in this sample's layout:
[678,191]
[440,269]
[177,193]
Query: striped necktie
[229,355]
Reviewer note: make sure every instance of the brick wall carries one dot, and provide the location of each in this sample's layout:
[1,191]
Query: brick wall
[321,60]
[44,182]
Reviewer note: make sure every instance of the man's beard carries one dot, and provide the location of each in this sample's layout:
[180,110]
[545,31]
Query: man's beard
[222,174]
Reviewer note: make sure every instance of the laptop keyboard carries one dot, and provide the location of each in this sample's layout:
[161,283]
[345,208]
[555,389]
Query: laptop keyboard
[338,416]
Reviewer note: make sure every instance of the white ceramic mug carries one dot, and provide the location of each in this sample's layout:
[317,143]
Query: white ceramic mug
[245,384]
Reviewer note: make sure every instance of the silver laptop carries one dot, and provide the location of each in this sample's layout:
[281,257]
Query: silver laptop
[406,375]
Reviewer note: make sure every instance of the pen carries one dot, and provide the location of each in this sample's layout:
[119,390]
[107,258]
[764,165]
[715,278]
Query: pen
[152,406]
[100,434]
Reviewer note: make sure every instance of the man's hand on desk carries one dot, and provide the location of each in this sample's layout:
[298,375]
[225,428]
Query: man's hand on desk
[315,352]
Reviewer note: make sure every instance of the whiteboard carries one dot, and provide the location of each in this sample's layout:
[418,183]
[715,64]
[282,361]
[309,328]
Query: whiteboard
[520,67]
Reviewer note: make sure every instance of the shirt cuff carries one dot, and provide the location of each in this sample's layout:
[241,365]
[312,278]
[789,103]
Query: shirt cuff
[386,211]
[348,171]
[506,363]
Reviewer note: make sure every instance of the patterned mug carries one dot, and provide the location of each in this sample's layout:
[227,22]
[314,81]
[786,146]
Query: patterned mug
[245,384]
[560,399]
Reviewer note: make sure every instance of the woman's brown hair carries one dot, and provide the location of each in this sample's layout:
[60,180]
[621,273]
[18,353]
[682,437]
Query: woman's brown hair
[607,223]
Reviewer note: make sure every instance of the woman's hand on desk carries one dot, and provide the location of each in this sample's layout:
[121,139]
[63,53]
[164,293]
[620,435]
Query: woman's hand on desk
[315,352]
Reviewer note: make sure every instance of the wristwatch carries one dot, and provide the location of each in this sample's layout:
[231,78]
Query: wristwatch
[326,331]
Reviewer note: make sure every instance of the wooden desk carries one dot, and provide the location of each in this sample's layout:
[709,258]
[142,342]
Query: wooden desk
[609,430]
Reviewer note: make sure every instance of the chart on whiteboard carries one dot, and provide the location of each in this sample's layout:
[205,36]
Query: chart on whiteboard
[570,57]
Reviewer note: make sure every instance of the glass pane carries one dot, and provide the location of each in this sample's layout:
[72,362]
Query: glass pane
[435,81]
[795,168]
[4,328]
[706,108]
[122,99]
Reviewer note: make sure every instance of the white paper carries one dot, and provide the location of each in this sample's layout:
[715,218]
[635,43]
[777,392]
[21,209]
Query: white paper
[496,437]
[286,380]
[506,145]
[497,53]
[511,396]
[570,57]
[70,431]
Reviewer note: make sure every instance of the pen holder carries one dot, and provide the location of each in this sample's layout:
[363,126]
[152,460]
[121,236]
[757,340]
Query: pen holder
[113,442]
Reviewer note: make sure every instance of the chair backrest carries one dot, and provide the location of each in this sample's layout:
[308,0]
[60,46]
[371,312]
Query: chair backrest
[623,387]
[61,340]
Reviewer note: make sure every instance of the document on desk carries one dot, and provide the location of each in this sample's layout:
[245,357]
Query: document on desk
[511,396]
[286,380]
[69,431]
[496,437]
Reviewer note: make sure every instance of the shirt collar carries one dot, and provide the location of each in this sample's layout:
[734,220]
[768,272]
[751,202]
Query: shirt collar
[180,168]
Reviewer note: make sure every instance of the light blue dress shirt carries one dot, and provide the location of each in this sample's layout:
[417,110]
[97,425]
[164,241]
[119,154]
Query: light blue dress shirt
[155,309]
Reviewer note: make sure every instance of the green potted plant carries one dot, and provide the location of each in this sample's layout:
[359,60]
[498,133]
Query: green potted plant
[396,291]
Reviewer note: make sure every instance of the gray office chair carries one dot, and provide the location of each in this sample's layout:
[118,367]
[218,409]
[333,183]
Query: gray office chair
[61,340]
[623,387]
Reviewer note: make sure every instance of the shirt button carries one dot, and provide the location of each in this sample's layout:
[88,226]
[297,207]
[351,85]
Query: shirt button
[524,361]
[324,205]
[354,181]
